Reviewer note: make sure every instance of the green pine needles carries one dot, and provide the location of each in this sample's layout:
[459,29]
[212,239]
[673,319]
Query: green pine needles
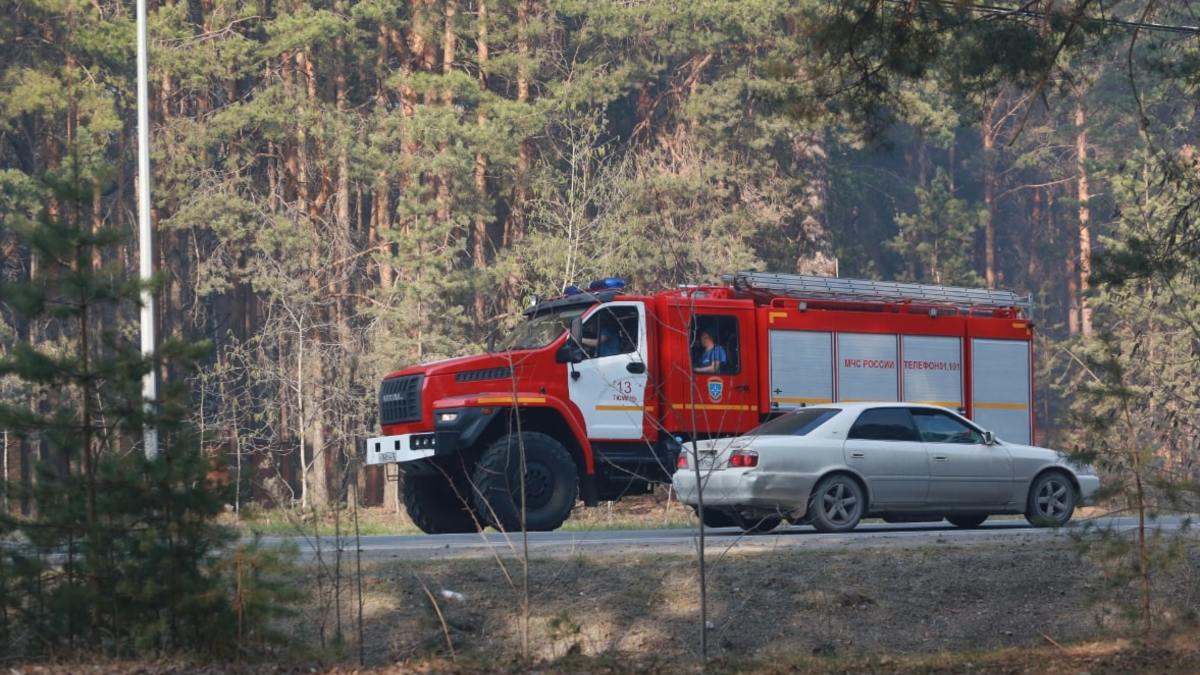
[105,551]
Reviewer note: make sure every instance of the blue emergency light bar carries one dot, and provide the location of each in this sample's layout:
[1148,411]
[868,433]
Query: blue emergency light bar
[607,283]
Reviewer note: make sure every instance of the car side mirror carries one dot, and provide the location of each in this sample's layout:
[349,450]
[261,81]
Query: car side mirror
[989,438]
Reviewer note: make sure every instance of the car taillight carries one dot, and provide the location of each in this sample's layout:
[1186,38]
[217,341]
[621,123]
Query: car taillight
[682,462]
[742,459]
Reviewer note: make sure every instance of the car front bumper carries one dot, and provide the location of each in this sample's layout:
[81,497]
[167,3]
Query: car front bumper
[1088,485]
[746,488]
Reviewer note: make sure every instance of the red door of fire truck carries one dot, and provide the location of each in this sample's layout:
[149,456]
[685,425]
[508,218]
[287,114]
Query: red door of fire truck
[712,368]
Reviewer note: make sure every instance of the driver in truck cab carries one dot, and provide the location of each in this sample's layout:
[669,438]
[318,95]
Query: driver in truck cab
[713,357]
[606,342]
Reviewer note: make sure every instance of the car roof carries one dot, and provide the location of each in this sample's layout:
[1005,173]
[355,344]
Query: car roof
[864,405]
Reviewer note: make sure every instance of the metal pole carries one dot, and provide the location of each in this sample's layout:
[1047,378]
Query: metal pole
[145,247]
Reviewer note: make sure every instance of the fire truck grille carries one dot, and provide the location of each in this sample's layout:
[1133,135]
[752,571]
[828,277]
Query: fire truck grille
[400,400]
[485,374]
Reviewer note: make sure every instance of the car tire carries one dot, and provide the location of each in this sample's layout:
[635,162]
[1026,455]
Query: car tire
[757,524]
[439,506]
[967,522]
[837,503]
[715,518]
[551,483]
[1051,501]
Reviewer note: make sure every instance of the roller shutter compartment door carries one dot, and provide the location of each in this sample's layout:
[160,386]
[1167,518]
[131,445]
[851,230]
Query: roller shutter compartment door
[801,368]
[866,367]
[1000,388]
[932,369]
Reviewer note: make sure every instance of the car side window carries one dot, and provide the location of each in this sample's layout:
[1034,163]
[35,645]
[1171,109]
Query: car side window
[610,331]
[884,424]
[939,427]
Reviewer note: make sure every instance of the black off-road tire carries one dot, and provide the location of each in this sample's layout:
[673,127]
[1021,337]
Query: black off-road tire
[1052,499]
[437,506]
[551,483]
[839,520]
[716,518]
[967,521]
[757,524]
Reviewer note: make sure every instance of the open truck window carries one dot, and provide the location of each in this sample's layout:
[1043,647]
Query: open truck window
[610,331]
[713,343]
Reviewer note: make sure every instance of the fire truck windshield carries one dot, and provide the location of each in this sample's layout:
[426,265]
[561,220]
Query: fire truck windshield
[541,329]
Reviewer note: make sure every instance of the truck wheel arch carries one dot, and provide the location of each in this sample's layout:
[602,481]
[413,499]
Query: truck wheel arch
[558,421]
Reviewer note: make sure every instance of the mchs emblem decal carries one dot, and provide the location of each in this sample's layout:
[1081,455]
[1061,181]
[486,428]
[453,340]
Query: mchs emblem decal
[716,389]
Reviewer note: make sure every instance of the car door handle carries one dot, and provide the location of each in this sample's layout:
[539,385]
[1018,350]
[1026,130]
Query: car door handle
[636,367]
[857,455]
[941,458]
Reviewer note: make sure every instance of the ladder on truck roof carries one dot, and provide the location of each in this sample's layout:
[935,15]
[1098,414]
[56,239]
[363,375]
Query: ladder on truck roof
[864,290]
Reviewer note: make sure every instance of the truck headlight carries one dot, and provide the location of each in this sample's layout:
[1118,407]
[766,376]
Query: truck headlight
[447,417]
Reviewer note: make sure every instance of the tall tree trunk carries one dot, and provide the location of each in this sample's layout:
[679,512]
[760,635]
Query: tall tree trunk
[479,250]
[989,195]
[381,217]
[97,222]
[1085,222]
[344,365]
[449,48]
[515,228]
[1035,239]
[1072,284]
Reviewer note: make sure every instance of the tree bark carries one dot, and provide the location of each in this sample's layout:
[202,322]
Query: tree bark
[449,48]
[381,218]
[1035,238]
[989,195]
[1085,221]
[344,366]
[479,250]
[1072,286]
[515,227]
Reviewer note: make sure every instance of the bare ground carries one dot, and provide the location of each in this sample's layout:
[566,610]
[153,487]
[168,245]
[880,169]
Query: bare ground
[766,607]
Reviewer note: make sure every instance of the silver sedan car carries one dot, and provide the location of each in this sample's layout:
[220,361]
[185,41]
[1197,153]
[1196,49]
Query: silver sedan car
[832,465]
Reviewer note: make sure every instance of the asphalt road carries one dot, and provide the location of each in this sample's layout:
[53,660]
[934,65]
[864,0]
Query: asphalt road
[682,541]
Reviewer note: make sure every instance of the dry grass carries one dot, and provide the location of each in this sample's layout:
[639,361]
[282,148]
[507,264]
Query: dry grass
[771,607]
[1177,654]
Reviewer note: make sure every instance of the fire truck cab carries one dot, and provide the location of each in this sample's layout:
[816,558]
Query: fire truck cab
[592,395]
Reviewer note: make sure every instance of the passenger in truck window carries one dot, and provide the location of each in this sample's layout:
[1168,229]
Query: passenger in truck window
[713,357]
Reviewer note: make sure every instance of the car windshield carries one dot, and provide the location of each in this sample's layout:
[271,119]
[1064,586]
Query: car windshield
[541,329]
[796,423]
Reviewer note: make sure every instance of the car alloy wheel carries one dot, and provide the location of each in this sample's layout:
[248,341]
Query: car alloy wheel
[841,506]
[1052,500]
[837,504]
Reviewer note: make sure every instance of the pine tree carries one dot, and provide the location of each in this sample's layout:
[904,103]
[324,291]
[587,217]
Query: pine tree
[119,554]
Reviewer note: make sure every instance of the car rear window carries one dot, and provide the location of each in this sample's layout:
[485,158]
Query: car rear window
[797,423]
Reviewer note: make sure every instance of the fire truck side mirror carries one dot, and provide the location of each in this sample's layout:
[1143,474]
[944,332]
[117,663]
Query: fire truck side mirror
[577,330]
[569,353]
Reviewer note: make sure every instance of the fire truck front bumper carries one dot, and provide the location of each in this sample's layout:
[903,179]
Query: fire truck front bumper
[746,490]
[454,429]
[401,448]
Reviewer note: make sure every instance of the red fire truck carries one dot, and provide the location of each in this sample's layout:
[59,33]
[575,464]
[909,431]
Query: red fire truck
[592,395]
